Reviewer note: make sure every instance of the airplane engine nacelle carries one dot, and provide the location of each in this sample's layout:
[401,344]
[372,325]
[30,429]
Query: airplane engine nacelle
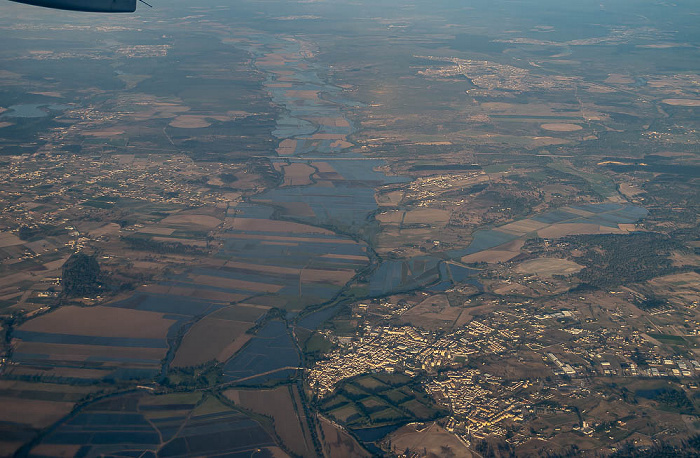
[94,6]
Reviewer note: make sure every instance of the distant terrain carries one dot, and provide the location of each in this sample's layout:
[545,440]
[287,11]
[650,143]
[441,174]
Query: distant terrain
[341,229]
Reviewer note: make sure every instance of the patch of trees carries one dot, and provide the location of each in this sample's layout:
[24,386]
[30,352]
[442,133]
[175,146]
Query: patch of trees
[694,442]
[228,178]
[264,168]
[676,199]
[25,233]
[676,399]
[670,188]
[471,190]
[32,234]
[638,358]
[570,452]
[81,274]
[275,313]
[494,448]
[670,397]
[688,234]
[188,378]
[686,449]
[649,302]
[511,205]
[613,260]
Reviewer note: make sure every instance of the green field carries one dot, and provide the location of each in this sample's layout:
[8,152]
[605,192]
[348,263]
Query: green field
[380,400]
[673,340]
[600,184]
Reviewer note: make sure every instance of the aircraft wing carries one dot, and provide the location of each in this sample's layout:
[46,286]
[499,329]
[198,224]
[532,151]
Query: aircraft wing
[94,6]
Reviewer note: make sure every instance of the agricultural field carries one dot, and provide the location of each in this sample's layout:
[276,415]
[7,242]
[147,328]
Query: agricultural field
[373,402]
[295,173]
[284,406]
[393,276]
[30,407]
[218,336]
[682,288]
[302,265]
[342,196]
[338,443]
[548,267]
[270,356]
[30,268]
[435,312]
[169,425]
[83,344]
[349,229]
[494,244]
[427,437]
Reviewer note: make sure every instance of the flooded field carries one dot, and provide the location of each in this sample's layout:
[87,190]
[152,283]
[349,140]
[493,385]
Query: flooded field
[314,131]
[287,247]
[270,355]
[169,425]
[583,219]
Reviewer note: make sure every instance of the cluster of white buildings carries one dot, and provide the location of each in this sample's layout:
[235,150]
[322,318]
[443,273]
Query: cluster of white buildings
[386,349]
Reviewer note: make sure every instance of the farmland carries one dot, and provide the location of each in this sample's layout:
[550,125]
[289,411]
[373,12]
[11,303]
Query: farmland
[218,336]
[168,425]
[283,405]
[587,219]
[271,355]
[431,438]
[349,229]
[368,403]
[102,343]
